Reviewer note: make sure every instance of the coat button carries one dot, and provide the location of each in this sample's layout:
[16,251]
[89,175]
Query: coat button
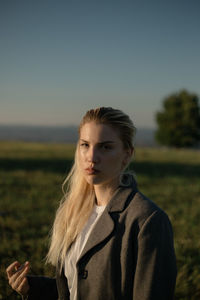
[83,274]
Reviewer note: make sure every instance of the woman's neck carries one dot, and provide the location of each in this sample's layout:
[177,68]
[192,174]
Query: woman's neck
[104,193]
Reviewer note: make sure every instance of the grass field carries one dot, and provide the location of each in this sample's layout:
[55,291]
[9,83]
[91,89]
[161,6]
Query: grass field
[31,176]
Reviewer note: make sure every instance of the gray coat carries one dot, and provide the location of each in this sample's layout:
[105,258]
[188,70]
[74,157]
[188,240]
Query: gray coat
[128,256]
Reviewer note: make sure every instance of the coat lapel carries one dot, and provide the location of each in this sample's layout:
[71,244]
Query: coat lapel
[101,231]
[105,224]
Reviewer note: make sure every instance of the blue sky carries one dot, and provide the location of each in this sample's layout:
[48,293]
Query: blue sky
[61,58]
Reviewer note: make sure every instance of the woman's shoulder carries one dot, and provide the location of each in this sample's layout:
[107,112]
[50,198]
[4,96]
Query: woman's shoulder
[133,205]
[141,208]
[143,204]
[136,201]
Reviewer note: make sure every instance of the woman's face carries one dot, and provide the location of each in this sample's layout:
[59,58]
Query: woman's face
[102,156]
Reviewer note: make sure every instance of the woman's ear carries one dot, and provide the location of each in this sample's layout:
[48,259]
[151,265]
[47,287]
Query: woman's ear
[131,151]
[128,156]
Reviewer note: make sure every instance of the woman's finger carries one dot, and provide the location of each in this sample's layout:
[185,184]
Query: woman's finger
[11,269]
[17,273]
[23,287]
[22,266]
[16,280]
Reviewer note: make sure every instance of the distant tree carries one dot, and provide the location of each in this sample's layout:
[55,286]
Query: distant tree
[179,121]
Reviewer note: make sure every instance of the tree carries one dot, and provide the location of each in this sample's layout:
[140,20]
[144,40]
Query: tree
[179,121]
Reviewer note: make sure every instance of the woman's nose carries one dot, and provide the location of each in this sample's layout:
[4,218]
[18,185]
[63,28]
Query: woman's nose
[93,155]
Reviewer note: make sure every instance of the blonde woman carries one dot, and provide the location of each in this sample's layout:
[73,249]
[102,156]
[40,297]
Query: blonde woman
[109,241]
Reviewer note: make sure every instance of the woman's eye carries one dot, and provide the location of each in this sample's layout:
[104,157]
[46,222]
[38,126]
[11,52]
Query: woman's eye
[107,147]
[84,145]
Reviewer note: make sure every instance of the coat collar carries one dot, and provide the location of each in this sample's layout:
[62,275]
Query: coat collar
[105,224]
[126,188]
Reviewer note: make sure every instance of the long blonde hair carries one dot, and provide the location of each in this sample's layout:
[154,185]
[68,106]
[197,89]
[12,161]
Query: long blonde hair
[79,198]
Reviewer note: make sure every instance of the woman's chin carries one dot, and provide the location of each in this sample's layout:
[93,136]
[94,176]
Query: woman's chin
[93,180]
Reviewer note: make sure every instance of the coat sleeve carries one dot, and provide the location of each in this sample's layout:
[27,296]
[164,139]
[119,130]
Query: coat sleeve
[155,274]
[42,288]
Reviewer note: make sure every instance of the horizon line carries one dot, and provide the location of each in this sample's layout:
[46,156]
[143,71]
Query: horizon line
[58,126]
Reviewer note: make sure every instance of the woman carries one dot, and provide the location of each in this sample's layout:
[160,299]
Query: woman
[108,241]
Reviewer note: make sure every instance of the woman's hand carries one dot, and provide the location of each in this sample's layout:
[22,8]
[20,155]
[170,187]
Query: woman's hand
[17,277]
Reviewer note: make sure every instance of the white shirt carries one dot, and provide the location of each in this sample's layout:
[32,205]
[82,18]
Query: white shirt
[75,250]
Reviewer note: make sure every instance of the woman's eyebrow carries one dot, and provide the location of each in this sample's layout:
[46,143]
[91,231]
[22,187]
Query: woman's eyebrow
[100,143]
[106,142]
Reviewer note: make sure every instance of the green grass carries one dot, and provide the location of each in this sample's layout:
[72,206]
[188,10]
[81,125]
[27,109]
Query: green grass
[31,176]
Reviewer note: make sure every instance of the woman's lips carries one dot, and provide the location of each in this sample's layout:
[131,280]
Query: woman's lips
[91,171]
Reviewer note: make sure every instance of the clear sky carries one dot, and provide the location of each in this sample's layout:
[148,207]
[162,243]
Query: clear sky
[59,58]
